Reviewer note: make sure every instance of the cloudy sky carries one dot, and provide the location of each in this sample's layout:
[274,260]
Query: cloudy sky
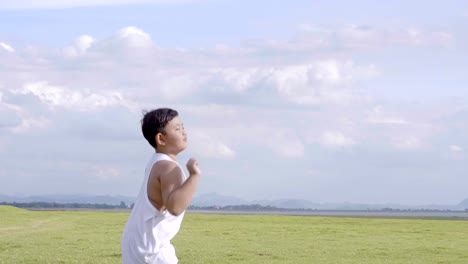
[329,101]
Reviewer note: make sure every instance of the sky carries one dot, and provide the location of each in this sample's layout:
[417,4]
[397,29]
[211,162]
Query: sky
[327,101]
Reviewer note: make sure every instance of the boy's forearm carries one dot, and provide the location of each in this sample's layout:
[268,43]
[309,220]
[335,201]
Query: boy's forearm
[180,198]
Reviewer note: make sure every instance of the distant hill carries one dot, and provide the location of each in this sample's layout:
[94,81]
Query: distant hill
[289,204]
[214,199]
[464,204]
[73,198]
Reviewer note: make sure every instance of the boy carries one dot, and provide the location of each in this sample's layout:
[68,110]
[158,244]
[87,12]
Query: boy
[164,195]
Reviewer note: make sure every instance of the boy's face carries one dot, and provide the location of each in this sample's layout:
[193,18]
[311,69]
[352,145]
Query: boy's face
[175,137]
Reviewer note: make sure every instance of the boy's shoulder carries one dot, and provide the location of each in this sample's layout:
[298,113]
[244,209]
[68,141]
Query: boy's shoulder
[166,167]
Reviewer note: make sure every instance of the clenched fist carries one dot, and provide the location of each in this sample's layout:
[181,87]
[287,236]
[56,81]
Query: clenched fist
[192,167]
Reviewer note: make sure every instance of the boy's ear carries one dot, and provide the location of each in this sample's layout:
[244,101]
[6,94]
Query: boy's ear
[160,139]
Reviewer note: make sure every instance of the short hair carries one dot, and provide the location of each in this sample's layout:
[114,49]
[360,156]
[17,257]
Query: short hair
[154,122]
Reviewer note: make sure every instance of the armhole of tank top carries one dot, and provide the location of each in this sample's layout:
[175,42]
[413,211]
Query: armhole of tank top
[148,202]
[147,199]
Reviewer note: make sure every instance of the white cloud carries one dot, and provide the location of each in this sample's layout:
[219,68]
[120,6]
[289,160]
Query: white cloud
[239,125]
[377,116]
[455,148]
[403,126]
[441,38]
[293,148]
[53,4]
[6,47]
[130,61]
[133,37]
[177,84]
[211,111]
[205,145]
[19,119]
[129,42]
[456,152]
[80,46]
[322,81]
[298,44]
[106,173]
[335,140]
[240,79]
[319,82]
[30,123]
[282,141]
[226,51]
[408,143]
[361,36]
[55,96]
[224,150]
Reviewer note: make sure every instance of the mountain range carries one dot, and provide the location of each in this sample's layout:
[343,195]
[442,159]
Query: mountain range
[214,199]
[71,198]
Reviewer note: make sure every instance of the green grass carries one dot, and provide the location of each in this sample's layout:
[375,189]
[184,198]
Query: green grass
[94,237]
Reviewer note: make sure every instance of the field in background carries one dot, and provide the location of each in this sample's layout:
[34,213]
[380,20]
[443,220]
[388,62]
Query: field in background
[94,237]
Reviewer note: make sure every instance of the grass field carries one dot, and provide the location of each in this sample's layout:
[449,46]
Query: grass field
[94,237]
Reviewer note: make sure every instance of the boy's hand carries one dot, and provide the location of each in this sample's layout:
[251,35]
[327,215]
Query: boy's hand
[192,167]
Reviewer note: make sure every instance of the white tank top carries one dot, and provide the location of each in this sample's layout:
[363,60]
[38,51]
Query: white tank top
[148,230]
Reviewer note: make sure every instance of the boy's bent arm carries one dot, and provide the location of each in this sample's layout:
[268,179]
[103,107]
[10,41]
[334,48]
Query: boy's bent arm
[176,193]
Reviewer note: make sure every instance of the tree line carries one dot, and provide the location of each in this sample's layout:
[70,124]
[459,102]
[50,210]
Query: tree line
[54,205]
[249,207]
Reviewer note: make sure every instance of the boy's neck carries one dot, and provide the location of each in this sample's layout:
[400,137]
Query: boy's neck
[172,156]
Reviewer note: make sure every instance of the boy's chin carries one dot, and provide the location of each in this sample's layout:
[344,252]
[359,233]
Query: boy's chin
[184,147]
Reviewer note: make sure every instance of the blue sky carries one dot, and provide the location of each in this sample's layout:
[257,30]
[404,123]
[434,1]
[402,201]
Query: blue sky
[329,101]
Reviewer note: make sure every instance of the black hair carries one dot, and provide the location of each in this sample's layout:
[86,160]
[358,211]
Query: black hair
[154,122]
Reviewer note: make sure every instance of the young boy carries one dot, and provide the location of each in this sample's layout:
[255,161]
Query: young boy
[164,195]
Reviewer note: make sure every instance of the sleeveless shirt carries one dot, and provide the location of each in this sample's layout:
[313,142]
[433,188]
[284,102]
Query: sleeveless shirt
[148,231]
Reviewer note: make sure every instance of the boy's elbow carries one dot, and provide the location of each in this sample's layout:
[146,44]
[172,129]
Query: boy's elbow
[175,211]
[176,207]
